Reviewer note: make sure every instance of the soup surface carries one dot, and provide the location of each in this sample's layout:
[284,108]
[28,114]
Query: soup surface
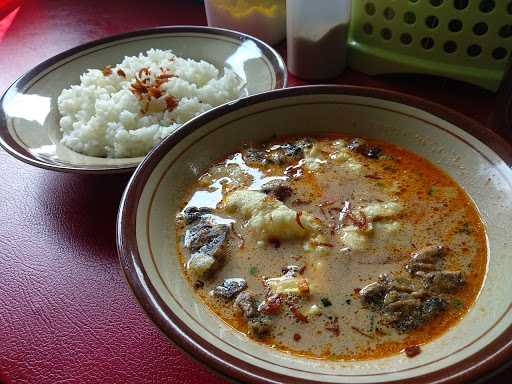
[332,247]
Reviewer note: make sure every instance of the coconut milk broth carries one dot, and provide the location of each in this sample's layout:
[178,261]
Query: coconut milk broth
[434,210]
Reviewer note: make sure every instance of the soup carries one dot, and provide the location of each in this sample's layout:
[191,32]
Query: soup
[332,247]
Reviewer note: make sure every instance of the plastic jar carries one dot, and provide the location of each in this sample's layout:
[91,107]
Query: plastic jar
[317,34]
[263,19]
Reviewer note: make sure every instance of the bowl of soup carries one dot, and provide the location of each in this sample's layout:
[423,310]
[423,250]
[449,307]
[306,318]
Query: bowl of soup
[326,234]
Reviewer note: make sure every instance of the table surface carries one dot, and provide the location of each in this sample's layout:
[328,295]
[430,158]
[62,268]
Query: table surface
[66,312]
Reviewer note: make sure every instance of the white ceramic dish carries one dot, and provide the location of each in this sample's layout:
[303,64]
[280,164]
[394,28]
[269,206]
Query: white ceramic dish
[475,157]
[29,118]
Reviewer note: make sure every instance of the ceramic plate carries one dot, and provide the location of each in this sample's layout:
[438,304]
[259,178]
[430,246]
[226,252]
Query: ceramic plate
[29,118]
[475,157]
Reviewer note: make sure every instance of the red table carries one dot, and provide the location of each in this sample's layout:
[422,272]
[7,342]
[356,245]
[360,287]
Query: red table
[66,312]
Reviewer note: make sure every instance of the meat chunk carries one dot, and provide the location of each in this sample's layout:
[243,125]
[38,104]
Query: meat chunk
[372,152]
[281,157]
[406,315]
[206,236]
[394,296]
[271,304]
[425,312]
[387,290]
[192,214]
[229,288]
[361,146]
[246,303]
[400,284]
[282,154]
[426,259]
[356,144]
[409,302]
[373,294]
[254,155]
[415,267]
[296,149]
[429,254]
[291,152]
[443,281]
[277,188]
[260,326]
[286,154]
[207,243]
[305,143]
[406,305]
[432,306]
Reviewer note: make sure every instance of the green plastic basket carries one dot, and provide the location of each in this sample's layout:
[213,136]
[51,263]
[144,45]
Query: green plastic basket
[468,40]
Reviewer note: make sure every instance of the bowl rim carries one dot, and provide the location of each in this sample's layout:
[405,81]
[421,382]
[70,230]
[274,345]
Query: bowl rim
[16,150]
[482,363]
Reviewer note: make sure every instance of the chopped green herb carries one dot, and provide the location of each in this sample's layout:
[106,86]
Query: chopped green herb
[380,184]
[332,357]
[457,303]
[253,270]
[464,228]
[431,191]
[326,302]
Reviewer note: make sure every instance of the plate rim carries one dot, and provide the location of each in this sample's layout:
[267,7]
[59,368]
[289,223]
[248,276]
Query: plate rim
[19,152]
[483,362]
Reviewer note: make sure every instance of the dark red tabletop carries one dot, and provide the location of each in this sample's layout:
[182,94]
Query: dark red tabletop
[66,312]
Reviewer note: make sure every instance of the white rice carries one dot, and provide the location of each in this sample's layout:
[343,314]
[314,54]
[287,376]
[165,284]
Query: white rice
[102,117]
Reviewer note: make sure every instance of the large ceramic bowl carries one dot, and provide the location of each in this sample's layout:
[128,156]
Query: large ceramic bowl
[29,118]
[475,157]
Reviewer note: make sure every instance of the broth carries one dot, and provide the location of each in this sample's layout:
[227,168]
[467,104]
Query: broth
[332,247]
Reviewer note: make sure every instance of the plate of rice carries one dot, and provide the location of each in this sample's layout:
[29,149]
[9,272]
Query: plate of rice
[102,106]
